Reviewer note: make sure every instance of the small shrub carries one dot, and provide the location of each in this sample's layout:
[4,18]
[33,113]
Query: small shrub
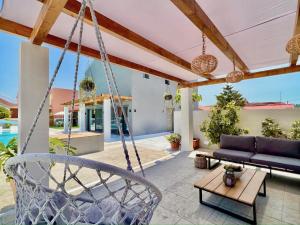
[270,128]
[6,126]
[222,120]
[174,138]
[4,113]
[295,131]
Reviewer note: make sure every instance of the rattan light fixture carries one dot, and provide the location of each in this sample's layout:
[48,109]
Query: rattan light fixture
[293,45]
[234,76]
[204,64]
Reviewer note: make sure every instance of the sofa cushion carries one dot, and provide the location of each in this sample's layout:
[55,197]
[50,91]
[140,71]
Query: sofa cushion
[240,143]
[279,147]
[233,155]
[277,161]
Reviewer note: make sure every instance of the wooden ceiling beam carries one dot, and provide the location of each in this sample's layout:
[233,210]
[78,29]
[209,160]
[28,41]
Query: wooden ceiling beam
[294,57]
[21,30]
[197,16]
[248,76]
[46,19]
[117,30]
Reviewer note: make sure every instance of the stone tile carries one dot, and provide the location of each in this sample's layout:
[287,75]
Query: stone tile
[164,216]
[217,217]
[183,222]
[265,220]
[182,189]
[200,215]
[233,221]
[291,216]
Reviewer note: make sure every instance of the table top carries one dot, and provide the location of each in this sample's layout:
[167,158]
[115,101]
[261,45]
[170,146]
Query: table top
[245,189]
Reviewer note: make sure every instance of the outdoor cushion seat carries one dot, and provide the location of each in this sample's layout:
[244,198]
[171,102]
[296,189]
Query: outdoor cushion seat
[278,147]
[238,143]
[233,155]
[277,161]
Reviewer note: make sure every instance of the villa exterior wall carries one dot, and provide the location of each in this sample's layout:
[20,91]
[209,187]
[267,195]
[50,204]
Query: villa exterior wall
[249,119]
[148,111]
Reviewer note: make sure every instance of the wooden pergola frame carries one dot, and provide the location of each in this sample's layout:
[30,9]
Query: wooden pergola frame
[52,8]
[98,99]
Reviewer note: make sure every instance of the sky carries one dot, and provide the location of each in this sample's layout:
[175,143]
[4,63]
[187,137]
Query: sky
[285,88]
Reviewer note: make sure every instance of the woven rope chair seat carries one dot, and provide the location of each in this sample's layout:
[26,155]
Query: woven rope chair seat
[116,196]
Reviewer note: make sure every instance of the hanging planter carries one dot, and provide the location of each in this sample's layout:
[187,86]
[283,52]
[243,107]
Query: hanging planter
[234,76]
[168,97]
[293,45]
[87,89]
[204,64]
[87,85]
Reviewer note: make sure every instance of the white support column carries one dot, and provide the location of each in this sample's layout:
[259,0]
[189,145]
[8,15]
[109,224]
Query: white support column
[186,119]
[66,119]
[82,117]
[33,83]
[107,118]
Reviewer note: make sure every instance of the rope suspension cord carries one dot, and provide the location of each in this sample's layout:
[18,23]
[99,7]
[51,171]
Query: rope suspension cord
[203,44]
[76,77]
[107,63]
[23,149]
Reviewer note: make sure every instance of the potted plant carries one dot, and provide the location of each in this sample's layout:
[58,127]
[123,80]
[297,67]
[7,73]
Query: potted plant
[174,140]
[196,98]
[196,143]
[11,150]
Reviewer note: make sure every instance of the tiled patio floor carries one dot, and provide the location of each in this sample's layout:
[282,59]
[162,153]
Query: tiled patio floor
[180,204]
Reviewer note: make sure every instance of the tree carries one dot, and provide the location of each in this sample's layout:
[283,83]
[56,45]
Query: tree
[270,128]
[230,95]
[222,120]
[4,113]
[295,130]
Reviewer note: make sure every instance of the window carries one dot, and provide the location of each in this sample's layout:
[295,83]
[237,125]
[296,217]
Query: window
[167,82]
[146,76]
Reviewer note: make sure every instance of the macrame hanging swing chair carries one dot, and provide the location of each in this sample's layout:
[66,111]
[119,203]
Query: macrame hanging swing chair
[116,196]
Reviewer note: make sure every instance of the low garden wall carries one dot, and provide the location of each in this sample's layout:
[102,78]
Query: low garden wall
[249,119]
[84,142]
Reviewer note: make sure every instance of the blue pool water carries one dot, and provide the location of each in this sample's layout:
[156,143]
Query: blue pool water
[12,122]
[6,136]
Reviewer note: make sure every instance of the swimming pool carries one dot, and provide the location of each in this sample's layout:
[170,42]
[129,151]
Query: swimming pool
[12,122]
[6,136]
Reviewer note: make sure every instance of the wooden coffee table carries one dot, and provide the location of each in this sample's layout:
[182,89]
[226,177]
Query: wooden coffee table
[245,190]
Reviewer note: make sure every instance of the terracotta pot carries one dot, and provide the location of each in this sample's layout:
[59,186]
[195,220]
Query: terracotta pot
[175,145]
[196,143]
[13,187]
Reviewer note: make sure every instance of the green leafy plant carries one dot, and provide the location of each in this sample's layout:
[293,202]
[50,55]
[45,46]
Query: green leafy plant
[270,128]
[295,131]
[233,168]
[11,149]
[174,138]
[195,97]
[87,84]
[222,120]
[228,95]
[4,113]
[6,126]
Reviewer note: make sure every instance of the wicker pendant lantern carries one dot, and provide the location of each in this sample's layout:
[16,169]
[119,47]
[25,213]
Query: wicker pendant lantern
[293,45]
[204,64]
[234,76]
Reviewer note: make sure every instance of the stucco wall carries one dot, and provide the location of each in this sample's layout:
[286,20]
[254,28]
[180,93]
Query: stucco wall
[148,107]
[147,112]
[122,75]
[250,119]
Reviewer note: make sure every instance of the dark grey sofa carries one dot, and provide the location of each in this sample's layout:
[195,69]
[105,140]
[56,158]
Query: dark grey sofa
[271,153]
